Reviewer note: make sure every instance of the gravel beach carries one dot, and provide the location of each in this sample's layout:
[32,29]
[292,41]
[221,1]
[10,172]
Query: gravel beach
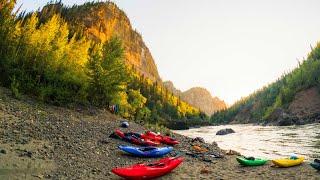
[40,141]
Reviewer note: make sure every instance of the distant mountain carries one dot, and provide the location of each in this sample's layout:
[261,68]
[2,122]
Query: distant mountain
[100,21]
[199,98]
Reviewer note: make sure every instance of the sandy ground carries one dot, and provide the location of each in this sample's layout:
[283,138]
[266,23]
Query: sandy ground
[39,141]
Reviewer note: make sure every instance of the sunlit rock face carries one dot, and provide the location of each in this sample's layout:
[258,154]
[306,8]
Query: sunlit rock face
[101,21]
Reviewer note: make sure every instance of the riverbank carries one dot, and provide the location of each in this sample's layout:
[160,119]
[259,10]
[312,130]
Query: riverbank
[40,141]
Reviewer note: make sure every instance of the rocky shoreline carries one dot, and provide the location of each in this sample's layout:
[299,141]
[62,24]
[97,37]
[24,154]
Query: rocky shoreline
[283,118]
[40,141]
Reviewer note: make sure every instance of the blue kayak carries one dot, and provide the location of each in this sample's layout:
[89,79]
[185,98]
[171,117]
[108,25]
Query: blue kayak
[146,151]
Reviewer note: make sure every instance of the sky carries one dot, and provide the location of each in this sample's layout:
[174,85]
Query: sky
[229,47]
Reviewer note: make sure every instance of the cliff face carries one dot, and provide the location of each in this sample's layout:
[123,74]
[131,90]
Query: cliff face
[99,22]
[199,98]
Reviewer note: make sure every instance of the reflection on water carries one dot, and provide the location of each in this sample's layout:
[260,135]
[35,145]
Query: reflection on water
[264,141]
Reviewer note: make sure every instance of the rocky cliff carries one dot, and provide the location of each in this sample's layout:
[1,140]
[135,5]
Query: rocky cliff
[198,97]
[101,20]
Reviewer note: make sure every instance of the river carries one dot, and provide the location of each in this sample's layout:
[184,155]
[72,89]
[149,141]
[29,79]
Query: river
[264,141]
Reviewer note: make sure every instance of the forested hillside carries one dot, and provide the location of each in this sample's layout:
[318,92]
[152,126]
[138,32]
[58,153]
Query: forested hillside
[275,101]
[55,61]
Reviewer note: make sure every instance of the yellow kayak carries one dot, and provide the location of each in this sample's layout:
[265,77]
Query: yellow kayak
[287,162]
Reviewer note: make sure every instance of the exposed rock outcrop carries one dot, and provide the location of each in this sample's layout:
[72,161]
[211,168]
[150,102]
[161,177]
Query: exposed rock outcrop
[305,103]
[305,108]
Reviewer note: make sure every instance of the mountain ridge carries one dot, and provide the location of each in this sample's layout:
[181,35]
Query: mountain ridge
[198,97]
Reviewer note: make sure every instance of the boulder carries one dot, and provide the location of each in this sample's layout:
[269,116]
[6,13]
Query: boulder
[284,122]
[225,131]
[288,120]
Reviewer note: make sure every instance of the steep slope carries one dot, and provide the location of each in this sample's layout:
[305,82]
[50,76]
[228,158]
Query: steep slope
[305,108]
[198,97]
[101,21]
[292,99]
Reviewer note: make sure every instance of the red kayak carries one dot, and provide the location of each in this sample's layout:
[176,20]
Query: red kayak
[136,138]
[157,137]
[170,141]
[119,133]
[149,171]
[152,136]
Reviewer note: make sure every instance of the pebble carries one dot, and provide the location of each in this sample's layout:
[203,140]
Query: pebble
[3,151]
[204,171]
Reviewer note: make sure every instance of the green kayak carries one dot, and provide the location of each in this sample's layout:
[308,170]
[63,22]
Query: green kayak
[251,162]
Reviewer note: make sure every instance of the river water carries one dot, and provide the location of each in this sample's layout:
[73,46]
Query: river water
[264,141]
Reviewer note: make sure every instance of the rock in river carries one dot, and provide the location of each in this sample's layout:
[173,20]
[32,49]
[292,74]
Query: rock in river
[225,131]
